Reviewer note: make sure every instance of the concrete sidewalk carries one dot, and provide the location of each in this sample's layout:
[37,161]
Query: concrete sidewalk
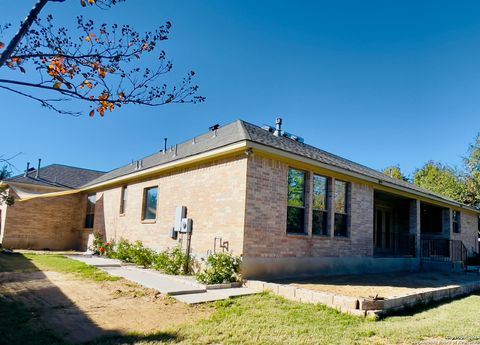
[184,289]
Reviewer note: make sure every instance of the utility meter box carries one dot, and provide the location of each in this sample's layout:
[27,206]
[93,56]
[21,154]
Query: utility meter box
[180,213]
[187,225]
[173,234]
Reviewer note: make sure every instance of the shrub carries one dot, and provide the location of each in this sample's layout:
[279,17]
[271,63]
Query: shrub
[143,256]
[101,248]
[220,268]
[173,261]
[123,251]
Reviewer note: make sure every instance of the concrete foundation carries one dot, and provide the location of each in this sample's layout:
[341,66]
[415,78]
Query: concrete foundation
[286,267]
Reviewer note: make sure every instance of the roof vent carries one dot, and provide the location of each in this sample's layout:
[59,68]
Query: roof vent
[214,127]
[279,132]
[278,127]
[27,170]
[139,164]
[268,128]
[38,169]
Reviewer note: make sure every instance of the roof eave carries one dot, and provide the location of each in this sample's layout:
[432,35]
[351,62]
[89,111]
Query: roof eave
[375,181]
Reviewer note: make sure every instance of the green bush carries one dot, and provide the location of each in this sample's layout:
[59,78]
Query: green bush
[173,261]
[123,251]
[220,268]
[102,248]
[142,256]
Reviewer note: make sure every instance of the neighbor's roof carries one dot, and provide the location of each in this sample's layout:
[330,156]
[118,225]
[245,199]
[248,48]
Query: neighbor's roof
[58,176]
[239,131]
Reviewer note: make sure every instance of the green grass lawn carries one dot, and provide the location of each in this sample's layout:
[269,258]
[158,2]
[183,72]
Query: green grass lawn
[268,319]
[30,262]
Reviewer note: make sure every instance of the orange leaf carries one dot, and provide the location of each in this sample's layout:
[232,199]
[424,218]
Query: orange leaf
[57,85]
[88,38]
[92,113]
[2,45]
[83,3]
[91,2]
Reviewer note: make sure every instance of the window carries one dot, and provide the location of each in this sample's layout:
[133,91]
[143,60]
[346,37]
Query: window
[150,203]
[319,207]
[340,206]
[123,200]
[456,221]
[296,202]
[90,215]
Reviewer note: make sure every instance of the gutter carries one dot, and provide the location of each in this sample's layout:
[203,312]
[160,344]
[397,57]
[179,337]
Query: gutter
[375,181]
[153,171]
[241,146]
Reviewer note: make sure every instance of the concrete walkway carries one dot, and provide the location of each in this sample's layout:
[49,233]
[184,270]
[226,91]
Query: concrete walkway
[184,289]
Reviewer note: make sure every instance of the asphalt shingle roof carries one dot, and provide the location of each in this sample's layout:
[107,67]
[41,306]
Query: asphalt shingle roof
[239,131]
[57,175]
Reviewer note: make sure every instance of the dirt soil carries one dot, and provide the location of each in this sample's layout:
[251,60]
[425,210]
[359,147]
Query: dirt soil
[79,310]
[386,285]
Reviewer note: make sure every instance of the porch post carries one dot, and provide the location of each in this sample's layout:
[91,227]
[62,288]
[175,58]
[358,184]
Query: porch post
[415,225]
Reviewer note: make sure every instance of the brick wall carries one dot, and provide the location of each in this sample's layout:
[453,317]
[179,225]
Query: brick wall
[213,193]
[266,214]
[468,231]
[43,223]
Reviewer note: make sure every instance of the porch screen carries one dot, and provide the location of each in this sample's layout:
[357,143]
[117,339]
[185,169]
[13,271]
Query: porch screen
[296,201]
[320,211]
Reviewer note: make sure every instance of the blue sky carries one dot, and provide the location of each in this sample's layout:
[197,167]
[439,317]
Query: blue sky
[378,82]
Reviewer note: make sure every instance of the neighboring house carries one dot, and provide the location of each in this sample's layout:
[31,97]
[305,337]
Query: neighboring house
[286,207]
[51,223]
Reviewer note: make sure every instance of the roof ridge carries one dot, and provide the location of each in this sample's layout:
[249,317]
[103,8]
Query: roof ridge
[73,167]
[242,123]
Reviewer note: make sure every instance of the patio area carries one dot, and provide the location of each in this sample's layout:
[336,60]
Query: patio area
[374,294]
[385,285]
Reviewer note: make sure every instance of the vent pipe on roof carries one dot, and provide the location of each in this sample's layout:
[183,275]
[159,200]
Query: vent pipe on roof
[278,127]
[164,145]
[26,171]
[176,150]
[37,175]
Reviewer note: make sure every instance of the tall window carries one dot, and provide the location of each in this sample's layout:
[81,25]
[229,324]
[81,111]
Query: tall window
[150,203]
[340,206]
[296,202]
[456,221]
[90,215]
[123,200]
[320,208]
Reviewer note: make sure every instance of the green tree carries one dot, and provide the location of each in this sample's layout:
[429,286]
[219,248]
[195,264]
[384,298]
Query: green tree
[102,67]
[441,179]
[472,173]
[5,172]
[395,172]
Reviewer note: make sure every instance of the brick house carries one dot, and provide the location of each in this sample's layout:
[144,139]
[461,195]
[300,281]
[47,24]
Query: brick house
[287,207]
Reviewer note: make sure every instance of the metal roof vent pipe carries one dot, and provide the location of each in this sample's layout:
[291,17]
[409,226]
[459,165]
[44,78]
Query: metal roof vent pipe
[278,127]
[164,145]
[26,171]
[38,169]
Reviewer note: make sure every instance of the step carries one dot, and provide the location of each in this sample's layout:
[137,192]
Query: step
[215,295]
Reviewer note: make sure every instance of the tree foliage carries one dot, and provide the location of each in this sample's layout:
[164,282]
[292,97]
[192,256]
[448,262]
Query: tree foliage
[441,179]
[101,65]
[395,172]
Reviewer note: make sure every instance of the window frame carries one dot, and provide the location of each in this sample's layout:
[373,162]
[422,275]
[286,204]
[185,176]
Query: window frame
[144,205]
[90,213]
[345,214]
[456,222]
[304,207]
[123,200]
[325,211]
